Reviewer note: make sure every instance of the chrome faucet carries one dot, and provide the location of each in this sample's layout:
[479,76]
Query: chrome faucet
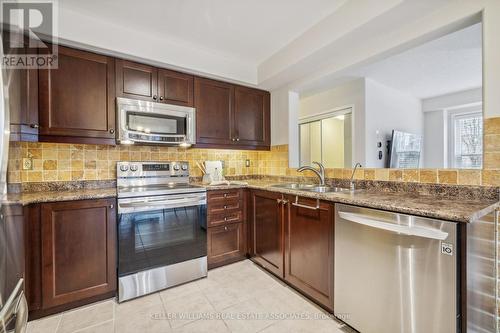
[320,173]
[352,186]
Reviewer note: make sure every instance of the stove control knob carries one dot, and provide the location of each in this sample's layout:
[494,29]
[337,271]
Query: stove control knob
[184,167]
[134,167]
[176,167]
[123,167]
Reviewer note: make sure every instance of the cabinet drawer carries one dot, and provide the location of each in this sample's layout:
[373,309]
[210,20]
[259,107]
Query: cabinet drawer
[224,195]
[222,219]
[224,207]
[225,244]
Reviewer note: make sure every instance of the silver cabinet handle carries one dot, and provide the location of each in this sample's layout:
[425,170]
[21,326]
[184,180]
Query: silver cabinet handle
[296,203]
[111,206]
[34,126]
[225,228]
[392,227]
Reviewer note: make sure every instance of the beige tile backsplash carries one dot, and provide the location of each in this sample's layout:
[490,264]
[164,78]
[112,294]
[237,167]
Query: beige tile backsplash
[63,162]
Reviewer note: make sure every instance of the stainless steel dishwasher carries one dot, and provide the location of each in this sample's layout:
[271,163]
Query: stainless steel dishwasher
[395,273]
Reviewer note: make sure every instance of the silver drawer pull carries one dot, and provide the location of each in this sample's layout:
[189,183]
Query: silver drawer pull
[296,203]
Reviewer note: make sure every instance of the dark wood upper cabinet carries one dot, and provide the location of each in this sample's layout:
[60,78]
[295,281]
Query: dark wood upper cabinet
[213,101]
[22,94]
[231,116]
[267,226]
[309,249]
[77,100]
[78,241]
[251,117]
[175,88]
[138,81]
[23,104]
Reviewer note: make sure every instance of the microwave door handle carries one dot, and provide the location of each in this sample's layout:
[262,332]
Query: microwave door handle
[369,221]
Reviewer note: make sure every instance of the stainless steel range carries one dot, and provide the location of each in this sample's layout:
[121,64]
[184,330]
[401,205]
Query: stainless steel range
[162,238]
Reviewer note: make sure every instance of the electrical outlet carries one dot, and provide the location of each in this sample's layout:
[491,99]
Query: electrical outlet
[27,164]
[247,163]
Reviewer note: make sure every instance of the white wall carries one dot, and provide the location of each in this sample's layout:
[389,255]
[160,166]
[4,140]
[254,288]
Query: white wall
[491,58]
[435,152]
[351,94]
[456,99]
[284,125]
[388,109]
[79,30]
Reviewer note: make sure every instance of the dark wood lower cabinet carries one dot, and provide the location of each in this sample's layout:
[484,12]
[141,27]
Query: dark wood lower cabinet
[309,249]
[225,243]
[227,226]
[268,230]
[73,255]
[294,243]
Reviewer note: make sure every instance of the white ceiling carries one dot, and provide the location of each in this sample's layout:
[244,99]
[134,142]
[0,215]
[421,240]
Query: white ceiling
[448,64]
[249,30]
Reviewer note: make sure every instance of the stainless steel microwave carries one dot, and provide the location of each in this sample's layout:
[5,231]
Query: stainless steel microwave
[155,123]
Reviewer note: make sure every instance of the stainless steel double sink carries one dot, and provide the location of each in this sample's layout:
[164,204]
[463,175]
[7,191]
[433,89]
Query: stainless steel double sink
[311,188]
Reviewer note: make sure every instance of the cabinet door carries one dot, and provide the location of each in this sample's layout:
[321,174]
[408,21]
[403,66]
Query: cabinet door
[268,230]
[213,101]
[175,88]
[136,81]
[76,100]
[225,244]
[22,92]
[78,250]
[251,117]
[309,249]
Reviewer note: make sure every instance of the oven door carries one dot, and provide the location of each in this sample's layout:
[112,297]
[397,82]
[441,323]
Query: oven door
[141,121]
[160,231]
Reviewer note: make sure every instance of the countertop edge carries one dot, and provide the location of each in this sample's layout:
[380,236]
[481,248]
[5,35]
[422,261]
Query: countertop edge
[340,198]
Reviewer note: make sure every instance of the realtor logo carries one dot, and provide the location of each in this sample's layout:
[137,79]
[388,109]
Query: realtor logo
[28,30]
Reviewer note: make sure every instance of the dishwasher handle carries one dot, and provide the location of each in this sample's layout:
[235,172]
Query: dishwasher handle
[396,228]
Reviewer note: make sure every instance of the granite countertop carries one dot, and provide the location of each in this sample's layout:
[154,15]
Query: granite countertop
[445,208]
[27,198]
[432,206]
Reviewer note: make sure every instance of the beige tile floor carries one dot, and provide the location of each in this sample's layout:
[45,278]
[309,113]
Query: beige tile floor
[235,298]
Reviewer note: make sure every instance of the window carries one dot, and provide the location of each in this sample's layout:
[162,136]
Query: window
[467,147]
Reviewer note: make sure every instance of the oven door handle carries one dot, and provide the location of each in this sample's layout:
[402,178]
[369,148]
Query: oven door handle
[164,202]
